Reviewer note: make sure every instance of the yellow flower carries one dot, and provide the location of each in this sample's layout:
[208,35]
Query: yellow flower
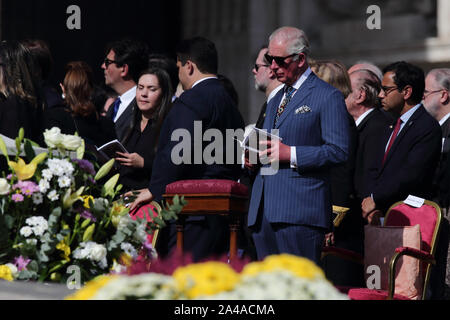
[86,201]
[5,273]
[205,278]
[299,266]
[125,259]
[65,249]
[91,288]
[26,171]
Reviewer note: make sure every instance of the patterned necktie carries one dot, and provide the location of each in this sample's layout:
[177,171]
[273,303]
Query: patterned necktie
[288,95]
[116,108]
[394,135]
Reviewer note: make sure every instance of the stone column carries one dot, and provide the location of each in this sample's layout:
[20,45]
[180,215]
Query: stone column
[443,14]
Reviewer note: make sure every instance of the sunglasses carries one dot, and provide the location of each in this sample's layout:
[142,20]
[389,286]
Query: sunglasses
[280,61]
[257,66]
[107,62]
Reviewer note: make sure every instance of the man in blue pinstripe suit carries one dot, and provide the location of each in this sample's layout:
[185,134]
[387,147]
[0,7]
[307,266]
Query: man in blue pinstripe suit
[290,211]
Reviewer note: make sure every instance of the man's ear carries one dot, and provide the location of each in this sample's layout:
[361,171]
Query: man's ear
[301,60]
[124,73]
[190,67]
[407,91]
[445,98]
[361,96]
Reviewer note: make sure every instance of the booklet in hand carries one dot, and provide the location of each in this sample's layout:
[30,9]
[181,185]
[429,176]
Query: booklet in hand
[251,141]
[108,150]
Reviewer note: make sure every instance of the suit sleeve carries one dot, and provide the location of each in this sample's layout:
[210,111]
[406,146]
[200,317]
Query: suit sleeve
[422,155]
[335,135]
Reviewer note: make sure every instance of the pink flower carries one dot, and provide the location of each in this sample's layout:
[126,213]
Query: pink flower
[26,187]
[17,197]
[21,263]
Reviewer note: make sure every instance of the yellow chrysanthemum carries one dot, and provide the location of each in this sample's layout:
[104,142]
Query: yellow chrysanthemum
[86,201]
[5,273]
[205,278]
[91,288]
[299,266]
[65,249]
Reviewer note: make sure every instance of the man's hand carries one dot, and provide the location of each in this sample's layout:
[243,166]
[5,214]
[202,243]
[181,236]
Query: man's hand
[130,160]
[367,206]
[276,151]
[374,218]
[329,239]
[143,197]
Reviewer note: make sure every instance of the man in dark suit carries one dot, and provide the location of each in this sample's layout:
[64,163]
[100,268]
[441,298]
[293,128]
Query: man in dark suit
[265,81]
[290,209]
[204,104]
[124,61]
[405,160]
[436,100]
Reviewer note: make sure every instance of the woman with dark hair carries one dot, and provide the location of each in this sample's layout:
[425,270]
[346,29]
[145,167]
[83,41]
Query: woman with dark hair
[153,97]
[79,114]
[19,107]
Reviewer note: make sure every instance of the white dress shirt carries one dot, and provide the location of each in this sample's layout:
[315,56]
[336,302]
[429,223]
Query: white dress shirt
[125,100]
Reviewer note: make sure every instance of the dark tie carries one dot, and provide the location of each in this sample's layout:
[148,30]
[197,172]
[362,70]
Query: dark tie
[288,95]
[394,135]
[116,108]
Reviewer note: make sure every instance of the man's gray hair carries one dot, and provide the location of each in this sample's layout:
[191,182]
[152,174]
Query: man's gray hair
[296,39]
[370,83]
[442,77]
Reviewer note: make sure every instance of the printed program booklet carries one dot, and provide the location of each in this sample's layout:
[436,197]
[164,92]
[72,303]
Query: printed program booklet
[108,150]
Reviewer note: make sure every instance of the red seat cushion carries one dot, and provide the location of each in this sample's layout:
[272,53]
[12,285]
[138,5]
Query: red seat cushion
[207,186]
[143,212]
[371,294]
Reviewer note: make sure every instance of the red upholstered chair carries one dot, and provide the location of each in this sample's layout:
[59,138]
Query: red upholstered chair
[428,217]
[205,197]
[149,211]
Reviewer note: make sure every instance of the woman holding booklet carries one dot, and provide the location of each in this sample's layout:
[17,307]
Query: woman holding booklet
[153,97]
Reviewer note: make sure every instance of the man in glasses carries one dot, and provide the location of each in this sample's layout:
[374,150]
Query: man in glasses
[436,100]
[265,81]
[408,152]
[124,61]
[290,211]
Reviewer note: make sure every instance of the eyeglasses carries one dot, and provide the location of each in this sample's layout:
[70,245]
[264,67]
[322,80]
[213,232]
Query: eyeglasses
[257,66]
[426,93]
[280,61]
[388,90]
[107,62]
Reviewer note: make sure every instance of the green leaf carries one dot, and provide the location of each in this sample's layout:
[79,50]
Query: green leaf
[104,170]
[87,236]
[85,223]
[3,148]
[9,221]
[29,151]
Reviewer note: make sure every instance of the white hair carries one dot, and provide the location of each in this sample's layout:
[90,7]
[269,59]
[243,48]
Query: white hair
[296,39]
[442,77]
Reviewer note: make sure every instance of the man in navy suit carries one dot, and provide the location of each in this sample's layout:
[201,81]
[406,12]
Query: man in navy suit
[290,211]
[205,102]
[124,61]
[408,153]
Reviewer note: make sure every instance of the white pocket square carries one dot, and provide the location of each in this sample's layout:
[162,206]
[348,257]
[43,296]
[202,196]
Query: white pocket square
[303,109]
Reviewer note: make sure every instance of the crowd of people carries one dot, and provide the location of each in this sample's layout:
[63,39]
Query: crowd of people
[360,138]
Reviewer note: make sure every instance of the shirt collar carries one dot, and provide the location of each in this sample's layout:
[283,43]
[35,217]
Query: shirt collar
[363,116]
[302,79]
[441,122]
[201,80]
[128,96]
[405,117]
[274,92]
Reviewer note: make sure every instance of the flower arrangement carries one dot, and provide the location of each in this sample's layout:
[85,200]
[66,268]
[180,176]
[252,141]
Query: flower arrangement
[57,210]
[278,277]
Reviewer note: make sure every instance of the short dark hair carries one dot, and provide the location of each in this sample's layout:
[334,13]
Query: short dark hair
[408,74]
[131,52]
[168,64]
[201,51]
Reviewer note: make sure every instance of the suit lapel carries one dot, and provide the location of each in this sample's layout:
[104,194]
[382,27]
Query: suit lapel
[298,98]
[271,110]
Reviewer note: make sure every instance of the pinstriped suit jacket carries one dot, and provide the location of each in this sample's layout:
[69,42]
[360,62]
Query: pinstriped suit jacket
[321,136]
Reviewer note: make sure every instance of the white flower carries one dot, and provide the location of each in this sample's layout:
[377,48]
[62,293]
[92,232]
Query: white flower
[53,195]
[37,220]
[129,249]
[37,198]
[26,231]
[71,142]
[4,186]
[32,241]
[92,251]
[98,252]
[14,270]
[64,182]
[44,185]
[124,221]
[39,230]
[47,174]
[140,235]
[53,137]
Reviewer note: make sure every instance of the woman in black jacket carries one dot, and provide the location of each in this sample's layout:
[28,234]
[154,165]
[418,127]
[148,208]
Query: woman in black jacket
[154,98]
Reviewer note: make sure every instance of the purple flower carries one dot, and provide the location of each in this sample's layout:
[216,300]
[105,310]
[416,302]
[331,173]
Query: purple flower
[21,263]
[17,197]
[87,215]
[85,165]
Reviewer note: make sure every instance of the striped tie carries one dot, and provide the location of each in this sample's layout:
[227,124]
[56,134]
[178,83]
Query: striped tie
[288,95]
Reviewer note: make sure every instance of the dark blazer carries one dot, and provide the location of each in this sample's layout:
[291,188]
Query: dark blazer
[410,165]
[368,135]
[125,121]
[210,105]
[441,183]
[321,136]
[95,131]
[262,115]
